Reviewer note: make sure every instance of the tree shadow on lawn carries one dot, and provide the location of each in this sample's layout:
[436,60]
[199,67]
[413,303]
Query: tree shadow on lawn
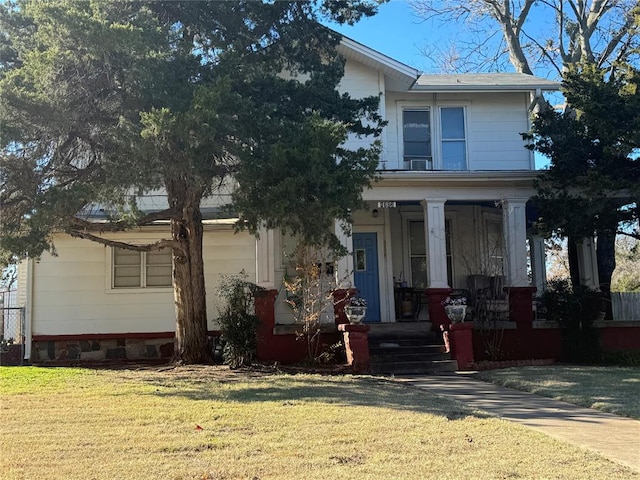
[245,386]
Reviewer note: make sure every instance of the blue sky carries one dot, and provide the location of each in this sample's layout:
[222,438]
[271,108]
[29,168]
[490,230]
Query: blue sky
[396,32]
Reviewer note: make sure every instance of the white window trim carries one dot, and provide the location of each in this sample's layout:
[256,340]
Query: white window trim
[466,133]
[486,256]
[436,128]
[110,289]
[412,216]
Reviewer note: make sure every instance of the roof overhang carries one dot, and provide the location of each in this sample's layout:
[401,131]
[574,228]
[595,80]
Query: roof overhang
[399,76]
[483,82]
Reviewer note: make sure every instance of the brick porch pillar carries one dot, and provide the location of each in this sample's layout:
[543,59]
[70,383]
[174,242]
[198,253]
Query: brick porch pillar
[265,301]
[340,298]
[461,338]
[521,305]
[437,315]
[356,344]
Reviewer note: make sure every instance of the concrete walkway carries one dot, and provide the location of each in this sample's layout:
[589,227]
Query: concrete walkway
[616,438]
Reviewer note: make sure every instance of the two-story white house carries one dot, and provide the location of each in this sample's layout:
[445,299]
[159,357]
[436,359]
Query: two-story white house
[450,211]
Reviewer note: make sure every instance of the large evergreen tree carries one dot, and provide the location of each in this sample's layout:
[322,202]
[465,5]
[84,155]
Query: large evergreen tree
[592,186]
[103,101]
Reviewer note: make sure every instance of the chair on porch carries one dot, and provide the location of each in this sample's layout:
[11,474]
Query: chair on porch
[488,300]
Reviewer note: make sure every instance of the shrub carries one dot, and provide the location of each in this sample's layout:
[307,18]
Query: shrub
[622,358]
[238,321]
[576,310]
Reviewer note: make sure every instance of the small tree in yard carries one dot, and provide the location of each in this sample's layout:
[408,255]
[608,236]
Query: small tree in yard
[104,101]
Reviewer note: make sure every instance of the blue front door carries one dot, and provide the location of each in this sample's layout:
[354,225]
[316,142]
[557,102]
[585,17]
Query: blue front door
[365,276]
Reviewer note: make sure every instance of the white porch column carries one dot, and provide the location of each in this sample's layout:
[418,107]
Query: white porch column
[538,263]
[514,226]
[436,240]
[344,273]
[265,259]
[588,263]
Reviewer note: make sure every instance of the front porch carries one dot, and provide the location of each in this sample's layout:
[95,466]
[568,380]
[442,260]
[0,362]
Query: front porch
[409,256]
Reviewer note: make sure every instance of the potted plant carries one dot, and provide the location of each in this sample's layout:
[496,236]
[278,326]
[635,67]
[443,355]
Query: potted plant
[455,308]
[356,310]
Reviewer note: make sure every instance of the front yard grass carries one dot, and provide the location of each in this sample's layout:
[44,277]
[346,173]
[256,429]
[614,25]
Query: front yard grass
[209,423]
[610,389]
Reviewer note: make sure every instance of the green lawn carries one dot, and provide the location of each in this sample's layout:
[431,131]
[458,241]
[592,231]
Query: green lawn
[209,423]
[610,389]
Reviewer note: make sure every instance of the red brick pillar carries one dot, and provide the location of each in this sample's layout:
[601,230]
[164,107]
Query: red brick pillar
[521,305]
[356,344]
[461,337]
[340,299]
[437,315]
[265,301]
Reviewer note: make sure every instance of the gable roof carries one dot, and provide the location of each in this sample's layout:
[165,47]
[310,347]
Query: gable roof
[402,77]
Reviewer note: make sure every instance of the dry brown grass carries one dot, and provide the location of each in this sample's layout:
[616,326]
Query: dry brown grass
[141,424]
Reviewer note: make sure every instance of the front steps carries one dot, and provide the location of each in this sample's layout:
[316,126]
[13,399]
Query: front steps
[408,348]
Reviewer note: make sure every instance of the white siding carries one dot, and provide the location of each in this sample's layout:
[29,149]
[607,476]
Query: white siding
[71,292]
[495,122]
[359,81]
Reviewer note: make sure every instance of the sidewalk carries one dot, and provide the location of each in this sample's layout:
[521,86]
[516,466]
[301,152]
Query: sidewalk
[616,438]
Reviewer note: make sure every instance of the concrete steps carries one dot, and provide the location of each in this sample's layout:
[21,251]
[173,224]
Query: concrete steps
[408,348]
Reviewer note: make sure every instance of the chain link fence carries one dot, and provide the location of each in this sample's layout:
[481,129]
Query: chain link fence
[12,330]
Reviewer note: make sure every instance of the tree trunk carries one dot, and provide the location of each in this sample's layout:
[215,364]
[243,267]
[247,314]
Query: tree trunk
[606,253]
[191,344]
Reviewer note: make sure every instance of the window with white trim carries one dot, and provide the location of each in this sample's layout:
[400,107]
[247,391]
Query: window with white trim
[416,137]
[447,130]
[418,253]
[494,246]
[133,269]
[454,144]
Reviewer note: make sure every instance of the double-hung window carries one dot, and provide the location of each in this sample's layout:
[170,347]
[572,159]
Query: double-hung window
[133,269]
[418,253]
[454,145]
[434,143]
[416,129]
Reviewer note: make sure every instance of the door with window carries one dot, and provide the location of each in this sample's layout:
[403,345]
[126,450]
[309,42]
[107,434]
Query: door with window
[366,276]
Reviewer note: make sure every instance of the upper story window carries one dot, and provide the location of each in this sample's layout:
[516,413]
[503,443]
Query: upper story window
[416,130]
[434,145]
[133,269]
[454,144]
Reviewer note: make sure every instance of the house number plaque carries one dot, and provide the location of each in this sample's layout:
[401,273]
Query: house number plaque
[386,204]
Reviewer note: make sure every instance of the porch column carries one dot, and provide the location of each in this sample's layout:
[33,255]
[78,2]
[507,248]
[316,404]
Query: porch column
[588,263]
[344,270]
[265,259]
[514,221]
[538,263]
[436,242]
